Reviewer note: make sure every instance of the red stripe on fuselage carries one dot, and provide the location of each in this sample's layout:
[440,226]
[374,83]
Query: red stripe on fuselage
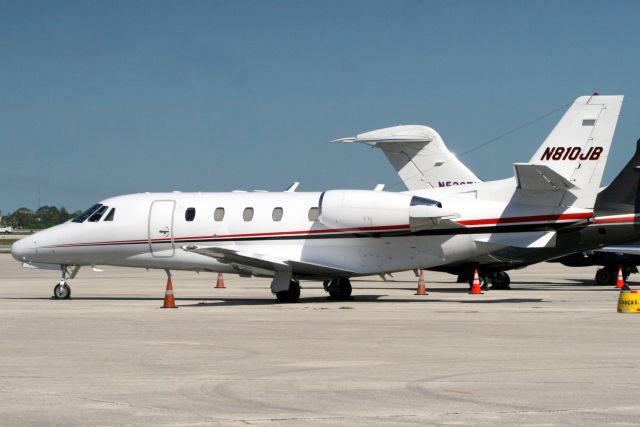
[616,220]
[535,218]
[302,233]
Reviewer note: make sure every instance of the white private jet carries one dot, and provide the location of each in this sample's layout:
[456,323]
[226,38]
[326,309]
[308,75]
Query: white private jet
[338,234]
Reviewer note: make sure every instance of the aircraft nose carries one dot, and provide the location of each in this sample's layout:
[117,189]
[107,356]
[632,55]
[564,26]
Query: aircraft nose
[21,250]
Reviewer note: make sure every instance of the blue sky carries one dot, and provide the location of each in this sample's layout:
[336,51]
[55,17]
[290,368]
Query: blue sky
[105,98]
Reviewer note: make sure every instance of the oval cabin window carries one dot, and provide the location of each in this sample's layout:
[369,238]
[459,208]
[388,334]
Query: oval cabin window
[276,215]
[190,214]
[218,214]
[247,215]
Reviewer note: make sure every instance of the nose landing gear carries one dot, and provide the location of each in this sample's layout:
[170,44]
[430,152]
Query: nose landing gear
[62,290]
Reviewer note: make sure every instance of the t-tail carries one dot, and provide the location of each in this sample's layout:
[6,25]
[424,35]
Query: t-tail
[419,155]
[573,156]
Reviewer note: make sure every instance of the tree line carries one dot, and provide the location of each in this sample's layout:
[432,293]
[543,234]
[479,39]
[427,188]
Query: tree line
[44,217]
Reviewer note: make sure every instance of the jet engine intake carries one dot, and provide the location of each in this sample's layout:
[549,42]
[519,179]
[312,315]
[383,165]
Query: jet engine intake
[368,209]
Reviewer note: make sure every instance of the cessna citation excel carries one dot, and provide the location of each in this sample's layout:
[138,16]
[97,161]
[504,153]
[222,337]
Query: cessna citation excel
[337,234]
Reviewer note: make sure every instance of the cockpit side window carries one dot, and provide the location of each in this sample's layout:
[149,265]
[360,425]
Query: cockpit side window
[110,215]
[98,214]
[86,214]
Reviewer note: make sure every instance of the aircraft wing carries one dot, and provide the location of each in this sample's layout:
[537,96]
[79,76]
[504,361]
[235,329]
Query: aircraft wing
[253,261]
[530,239]
[622,249]
[540,178]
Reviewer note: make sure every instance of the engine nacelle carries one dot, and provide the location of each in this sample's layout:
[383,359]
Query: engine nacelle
[366,208]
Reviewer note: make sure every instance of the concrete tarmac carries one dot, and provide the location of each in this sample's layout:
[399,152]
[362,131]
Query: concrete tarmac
[551,351]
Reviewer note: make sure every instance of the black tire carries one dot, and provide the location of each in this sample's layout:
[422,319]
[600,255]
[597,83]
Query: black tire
[501,281]
[62,291]
[290,295]
[604,277]
[340,288]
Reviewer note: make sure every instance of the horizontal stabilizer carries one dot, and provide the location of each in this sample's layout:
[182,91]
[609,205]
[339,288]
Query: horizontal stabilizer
[252,261]
[540,178]
[419,155]
[534,239]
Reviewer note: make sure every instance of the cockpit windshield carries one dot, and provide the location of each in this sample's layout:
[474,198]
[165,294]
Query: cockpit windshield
[97,214]
[86,214]
[94,214]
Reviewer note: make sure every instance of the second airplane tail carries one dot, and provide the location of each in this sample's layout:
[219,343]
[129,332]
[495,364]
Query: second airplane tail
[419,155]
[575,153]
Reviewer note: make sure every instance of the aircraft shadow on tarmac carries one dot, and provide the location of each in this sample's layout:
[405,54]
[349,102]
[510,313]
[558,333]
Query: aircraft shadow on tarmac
[222,302]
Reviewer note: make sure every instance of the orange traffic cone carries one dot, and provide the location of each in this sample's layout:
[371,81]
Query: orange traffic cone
[620,281]
[422,288]
[220,282]
[475,286]
[169,301]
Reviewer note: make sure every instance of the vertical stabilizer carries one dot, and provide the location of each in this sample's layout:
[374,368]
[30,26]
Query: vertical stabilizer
[622,196]
[419,155]
[578,147]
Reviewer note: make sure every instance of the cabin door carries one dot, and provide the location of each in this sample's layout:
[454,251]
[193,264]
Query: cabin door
[161,228]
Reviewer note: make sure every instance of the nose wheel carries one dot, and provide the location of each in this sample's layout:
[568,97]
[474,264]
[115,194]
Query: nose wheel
[62,290]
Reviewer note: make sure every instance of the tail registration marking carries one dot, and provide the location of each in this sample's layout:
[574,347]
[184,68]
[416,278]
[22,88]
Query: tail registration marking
[571,153]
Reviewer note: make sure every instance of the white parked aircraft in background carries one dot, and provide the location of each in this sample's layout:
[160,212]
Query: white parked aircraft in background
[421,159]
[338,234]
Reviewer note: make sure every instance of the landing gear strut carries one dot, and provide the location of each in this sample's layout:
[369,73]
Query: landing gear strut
[290,295]
[339,289]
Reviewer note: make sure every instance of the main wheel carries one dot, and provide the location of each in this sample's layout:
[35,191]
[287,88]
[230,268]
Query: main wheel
[604,277]
[501,281]
[340,288]
[290,295]
[62,291]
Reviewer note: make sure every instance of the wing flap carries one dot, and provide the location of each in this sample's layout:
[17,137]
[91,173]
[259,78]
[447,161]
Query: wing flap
[534,239]
[265,262]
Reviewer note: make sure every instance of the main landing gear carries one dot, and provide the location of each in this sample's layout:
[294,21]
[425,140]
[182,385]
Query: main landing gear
[290,295]
[500,280]
[608,274]
[339,288]
[62,290]
[495,280]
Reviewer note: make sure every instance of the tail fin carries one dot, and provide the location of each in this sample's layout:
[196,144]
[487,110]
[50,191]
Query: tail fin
[578,147]
[419,156]
[622,196]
